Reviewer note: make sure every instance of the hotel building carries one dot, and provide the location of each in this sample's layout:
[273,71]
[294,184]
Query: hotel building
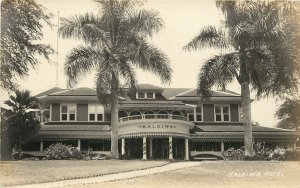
[154,123]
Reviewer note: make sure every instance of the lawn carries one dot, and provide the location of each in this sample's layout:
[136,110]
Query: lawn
[239,174]
[29,172]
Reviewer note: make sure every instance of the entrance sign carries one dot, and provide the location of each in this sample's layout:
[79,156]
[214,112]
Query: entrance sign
[157,126]
[146,126]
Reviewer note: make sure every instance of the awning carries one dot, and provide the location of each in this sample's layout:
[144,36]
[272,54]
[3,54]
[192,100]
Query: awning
[236,134]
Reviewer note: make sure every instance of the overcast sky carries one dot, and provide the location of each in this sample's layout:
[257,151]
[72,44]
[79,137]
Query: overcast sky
[183,19]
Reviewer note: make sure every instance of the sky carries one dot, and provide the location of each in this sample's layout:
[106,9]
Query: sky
[183,19]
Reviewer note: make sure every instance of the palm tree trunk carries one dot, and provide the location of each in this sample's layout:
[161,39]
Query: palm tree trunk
[246,108]
[114,118]
[246,105]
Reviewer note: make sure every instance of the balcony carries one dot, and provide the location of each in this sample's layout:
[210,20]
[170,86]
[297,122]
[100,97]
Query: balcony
[154,125]
[153,116]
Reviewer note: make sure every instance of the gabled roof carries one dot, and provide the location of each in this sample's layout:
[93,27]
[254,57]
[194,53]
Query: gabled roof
[172,92]
[50,91]
[82,91]
[148,87]
[219,93]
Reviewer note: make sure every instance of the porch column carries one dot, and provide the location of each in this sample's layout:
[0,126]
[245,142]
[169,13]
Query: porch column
[144,148]
[170,148]
[79,145]
[186,149]
[42,116]
[151,148]
[195,114]
[222,146]
[41,146]
[123,146]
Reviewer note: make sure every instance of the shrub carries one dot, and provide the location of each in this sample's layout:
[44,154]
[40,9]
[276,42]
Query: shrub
[263,153]
[76,154]
[58,151]
[89,155]
[232,154]
[16,154]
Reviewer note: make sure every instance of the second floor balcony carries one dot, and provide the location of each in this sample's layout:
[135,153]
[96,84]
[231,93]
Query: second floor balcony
[153,116]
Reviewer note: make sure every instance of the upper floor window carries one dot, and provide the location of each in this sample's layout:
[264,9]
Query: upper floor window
[68,112]
[140,95]
[198,117]
[145,95]
[96,112]
[222,113]
[191,117]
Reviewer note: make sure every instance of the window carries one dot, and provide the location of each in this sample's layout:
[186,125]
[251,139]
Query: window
[150,95]
[146,95]
[199,113]
[191,117]
[222,113]
[96,112]
[141,95]
[68,112]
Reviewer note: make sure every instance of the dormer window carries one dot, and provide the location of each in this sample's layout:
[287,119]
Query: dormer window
[140,95]
[145,95]
[150,95]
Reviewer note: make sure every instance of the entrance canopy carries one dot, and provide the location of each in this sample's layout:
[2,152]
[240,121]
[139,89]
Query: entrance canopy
[155,128]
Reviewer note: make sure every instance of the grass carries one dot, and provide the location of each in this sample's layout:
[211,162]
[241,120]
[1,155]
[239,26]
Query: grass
[30,172]
[223,174]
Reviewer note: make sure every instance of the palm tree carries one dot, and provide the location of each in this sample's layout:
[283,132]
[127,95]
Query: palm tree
[115,43]
[258,48]
[21,116]
[288,113]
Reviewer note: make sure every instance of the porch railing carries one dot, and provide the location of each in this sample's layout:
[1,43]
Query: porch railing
[152,116]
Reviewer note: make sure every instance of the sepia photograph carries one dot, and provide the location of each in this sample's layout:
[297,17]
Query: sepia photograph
[150,93]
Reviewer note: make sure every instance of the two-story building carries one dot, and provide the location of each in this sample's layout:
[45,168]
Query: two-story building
[154,123]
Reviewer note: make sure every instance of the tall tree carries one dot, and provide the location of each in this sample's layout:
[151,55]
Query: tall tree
[288,114]
[115,43]
[258,45]
[21,24]
[21,116]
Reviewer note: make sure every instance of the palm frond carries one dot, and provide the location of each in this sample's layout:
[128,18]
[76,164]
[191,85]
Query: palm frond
[288,113]
[129,76]
[209,37]
[149,58]
[217,71]
[86,27]
[80,61]
[144,22]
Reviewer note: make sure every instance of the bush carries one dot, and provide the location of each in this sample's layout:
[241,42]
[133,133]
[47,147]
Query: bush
[76,154]
[89,155]
[59,151]
[232,154]
[263,153]
[16,154]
